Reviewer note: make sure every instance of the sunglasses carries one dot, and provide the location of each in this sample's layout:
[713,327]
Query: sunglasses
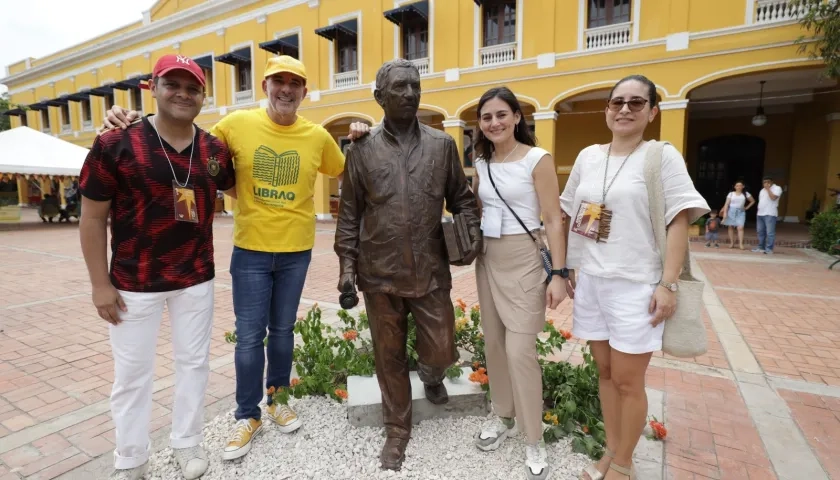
[634,104]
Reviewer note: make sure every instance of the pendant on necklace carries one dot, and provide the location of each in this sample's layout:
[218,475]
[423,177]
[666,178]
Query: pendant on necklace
[604,222]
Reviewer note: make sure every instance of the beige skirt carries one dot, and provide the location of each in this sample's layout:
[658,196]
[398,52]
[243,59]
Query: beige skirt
[511,283]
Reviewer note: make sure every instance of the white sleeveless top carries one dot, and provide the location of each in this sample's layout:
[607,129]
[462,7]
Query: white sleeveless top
[516,185]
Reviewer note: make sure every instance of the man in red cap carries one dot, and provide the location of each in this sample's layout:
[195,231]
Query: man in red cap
[157,181]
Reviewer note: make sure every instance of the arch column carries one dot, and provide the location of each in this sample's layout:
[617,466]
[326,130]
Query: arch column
[833,161]
[455,128]
[545,129]
[673,125]
[23,190]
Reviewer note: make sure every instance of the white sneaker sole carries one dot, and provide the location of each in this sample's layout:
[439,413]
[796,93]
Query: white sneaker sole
[499,440]
[290,427]
[244,449]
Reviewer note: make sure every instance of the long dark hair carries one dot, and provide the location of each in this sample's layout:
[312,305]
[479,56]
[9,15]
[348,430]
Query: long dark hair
[483,147]
[743,190]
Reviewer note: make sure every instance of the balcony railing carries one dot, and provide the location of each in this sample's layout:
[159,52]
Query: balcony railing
[503,53]
[244,96]
[608,36]
[422,65]
[46,130]
[347,79]
[87,125]
[772,11]
[209,102]
[66,128]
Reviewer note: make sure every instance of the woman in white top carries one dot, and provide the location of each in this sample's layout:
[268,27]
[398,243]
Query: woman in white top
[514,288]
[735,212]
[622,294]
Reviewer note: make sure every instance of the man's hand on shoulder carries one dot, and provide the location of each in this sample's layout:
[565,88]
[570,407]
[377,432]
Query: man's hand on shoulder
[358,130]
[118,117]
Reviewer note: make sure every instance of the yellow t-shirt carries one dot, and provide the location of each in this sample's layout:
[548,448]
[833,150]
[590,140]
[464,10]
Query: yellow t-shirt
[276,167]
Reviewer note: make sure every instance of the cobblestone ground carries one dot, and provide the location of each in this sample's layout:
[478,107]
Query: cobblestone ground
[764,402]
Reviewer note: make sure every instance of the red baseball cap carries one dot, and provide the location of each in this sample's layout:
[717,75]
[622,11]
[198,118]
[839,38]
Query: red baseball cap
[171,62]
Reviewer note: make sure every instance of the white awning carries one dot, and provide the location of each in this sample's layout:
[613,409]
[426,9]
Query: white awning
[27,151]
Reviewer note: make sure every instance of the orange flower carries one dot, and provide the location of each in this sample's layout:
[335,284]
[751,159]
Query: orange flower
[659,430]
[475,308]
[479,376]
[585,429]
[461,304]
[476,365]
[566,334]
[340,393]
[550,321]
[351,335]
[295,382]
[270,391]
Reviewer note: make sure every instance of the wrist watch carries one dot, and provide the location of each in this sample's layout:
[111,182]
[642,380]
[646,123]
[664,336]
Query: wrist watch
[563,272]
[670,286]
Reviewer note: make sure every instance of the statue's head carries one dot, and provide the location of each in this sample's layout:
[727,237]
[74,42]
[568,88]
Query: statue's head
[398,90]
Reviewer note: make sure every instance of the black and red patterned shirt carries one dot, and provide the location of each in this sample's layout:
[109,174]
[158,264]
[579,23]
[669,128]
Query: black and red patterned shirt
[151,251]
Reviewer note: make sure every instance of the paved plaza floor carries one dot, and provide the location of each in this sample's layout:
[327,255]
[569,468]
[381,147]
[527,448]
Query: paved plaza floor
[763,403]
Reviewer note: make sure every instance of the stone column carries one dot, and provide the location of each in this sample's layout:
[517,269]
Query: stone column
[23,191]
[545,129]
[455,128]
[674,123]
[832,167]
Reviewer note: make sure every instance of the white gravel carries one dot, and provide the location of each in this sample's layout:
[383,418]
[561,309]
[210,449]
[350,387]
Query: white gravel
[327,447]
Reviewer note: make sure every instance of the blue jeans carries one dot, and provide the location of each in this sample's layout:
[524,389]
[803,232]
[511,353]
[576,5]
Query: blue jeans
[266,295]
[766,232]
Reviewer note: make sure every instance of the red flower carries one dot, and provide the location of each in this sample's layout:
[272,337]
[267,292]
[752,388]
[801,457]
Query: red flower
[659,430]
[351,335]
[566,334]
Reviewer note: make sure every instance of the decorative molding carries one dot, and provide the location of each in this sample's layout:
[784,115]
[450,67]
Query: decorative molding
[454,123]
[220,32]
[261,19]
[832,117]
[673,105]
[176,45]
[677,41]
[118,64]
[72,78]
[636,19]
[147,17]
[315,96]
[313,3]
[93,71]
[546,60]
[52,84]
[545,116]
[147,55]
[452,75]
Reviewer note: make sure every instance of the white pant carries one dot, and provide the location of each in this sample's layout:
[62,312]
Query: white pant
[617,310]
[133,344]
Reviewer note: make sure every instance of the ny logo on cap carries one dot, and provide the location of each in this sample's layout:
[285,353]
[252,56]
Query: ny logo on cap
[182,59]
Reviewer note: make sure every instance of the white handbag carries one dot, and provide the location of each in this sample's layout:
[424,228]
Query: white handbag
[685,334]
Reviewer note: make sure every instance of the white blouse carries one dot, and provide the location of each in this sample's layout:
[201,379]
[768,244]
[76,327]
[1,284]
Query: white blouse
[630,252]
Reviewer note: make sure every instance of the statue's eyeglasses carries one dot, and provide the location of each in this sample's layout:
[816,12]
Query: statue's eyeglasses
[634,104]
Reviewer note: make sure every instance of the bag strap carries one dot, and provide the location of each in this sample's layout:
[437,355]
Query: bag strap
[490,176]
[656,204]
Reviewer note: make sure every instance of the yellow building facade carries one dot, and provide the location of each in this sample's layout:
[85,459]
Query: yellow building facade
[737,96]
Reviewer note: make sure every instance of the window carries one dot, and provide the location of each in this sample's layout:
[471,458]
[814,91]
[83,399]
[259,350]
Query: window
[608,12]
[243,77]
[45,119]
[23,120]
[85,106]
[499,22]
[208,80]
[415,35]
[109,101]
[136,99]
[65,115]
[347,53]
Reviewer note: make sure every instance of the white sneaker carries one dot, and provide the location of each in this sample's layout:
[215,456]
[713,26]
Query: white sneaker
[758,250]
[192,460]
[494,432]
[536,461]
[135,473]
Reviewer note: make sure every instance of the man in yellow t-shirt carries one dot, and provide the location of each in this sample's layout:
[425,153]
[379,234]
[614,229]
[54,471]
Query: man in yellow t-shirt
[277,155]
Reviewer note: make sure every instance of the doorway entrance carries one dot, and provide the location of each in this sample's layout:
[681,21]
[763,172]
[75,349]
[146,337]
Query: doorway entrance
[724,160]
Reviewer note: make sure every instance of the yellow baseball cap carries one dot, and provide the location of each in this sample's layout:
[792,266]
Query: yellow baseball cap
[285,63]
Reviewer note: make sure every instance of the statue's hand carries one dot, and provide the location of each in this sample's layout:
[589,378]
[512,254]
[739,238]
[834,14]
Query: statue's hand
[347,282]
[118,117]
[475,247]
[358,130]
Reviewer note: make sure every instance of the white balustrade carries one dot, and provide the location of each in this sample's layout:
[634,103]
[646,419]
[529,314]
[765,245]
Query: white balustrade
[87,125]
[608,36]
[503,53]
[422,65]
[772,11]
[244,96]
[209,102]
[347,79]
[66,128]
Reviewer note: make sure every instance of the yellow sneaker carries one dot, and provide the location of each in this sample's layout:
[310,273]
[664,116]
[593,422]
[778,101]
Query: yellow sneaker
[240,442]
[285,417]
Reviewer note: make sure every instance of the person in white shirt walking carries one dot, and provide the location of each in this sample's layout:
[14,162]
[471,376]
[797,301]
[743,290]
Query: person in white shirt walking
[768,212]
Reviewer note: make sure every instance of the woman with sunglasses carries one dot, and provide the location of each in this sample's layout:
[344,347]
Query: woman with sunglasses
[623,294]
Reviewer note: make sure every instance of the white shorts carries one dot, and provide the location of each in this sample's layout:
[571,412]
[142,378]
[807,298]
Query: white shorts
[617,310]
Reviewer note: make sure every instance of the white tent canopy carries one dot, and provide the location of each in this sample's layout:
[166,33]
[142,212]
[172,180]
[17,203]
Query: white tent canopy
[27,151]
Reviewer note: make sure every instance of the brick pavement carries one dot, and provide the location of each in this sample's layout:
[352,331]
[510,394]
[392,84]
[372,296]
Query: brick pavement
[55,364]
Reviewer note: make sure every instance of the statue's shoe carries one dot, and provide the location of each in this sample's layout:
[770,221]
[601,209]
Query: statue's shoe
[393,453]
[436,393]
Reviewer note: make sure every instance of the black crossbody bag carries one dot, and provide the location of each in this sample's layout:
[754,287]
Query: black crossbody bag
[544,253]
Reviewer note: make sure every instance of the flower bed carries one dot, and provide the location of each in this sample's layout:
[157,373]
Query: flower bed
[329,355]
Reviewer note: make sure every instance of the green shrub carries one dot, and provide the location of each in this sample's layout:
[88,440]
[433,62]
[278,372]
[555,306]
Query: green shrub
[825,230]
[329,355]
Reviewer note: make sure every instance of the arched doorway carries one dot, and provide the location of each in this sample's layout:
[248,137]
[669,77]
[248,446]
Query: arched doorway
[724,160]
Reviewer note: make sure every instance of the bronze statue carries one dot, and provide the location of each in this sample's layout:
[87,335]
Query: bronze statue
[390,243]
